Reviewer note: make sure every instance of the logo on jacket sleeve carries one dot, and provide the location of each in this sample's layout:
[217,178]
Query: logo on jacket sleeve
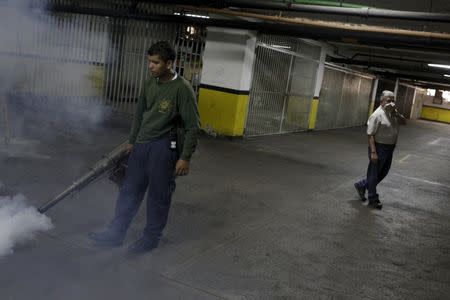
[165,106]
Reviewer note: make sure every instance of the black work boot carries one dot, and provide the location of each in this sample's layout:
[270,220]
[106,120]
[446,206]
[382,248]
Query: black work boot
[107,238]
[143,245]
[361,192]
[376,203]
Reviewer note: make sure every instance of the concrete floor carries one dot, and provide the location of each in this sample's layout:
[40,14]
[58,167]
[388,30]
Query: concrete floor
[265,218]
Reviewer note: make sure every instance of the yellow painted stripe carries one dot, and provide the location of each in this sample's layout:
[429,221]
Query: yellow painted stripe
[435,114]
[221,112]
[313,113]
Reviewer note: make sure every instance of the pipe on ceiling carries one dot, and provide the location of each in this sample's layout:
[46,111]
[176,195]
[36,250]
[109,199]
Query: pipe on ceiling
[224,4]
[370,56]
[323,3]
[265,26]
[377,64]
[426,84]
[366,12]
[434,80]
[325,24]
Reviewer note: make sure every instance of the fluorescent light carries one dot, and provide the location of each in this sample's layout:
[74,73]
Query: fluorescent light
[197,16]
[446,75]
[439,66]
[279,46]
[192,15]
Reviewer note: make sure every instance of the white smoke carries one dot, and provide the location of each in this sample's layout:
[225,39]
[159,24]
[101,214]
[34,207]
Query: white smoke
[50,69]
[19,222]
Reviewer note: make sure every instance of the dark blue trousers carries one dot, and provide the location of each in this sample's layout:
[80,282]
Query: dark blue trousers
[377,171]
[150,165]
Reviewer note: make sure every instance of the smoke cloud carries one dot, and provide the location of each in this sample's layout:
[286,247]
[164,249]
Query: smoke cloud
[51,73]
[52,88]
[19,222]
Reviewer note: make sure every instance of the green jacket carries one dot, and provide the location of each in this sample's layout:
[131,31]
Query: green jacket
[166,107]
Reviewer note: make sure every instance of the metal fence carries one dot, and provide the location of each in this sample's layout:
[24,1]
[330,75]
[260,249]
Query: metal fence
[344,99]
[418,101]
[190,45]
[78,57]
[125,66]
[404,100]
[282,87]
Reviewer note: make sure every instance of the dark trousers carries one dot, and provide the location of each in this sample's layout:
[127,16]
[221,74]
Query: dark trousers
[377,171]
[150,165]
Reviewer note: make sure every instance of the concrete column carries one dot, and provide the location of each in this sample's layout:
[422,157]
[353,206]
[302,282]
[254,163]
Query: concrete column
[226,78]
[396,88]
[317,89]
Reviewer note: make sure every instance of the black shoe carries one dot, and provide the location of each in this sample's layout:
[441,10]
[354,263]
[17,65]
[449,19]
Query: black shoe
[107,238]
[375,204]
[143,245]
[361,192]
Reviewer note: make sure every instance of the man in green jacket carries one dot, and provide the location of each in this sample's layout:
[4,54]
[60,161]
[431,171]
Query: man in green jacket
[162,139]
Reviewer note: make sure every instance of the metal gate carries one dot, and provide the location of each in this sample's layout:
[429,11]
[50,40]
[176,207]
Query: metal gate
[125,63]
[190,44]
[284,76]
[344,98]
[85,58]
[405,99]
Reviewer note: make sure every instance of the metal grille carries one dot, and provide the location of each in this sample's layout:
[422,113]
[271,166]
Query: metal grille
[267,96]
[54,43]
[283,82]
[330,98]
[344,99]
[301,92]
[404,99]
[297,46]
[417,103]
[126,63]
[86,58]
[190,45]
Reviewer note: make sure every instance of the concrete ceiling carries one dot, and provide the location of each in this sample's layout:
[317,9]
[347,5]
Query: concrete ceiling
[405,61]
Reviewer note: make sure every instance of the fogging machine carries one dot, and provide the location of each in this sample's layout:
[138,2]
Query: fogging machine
[113,165]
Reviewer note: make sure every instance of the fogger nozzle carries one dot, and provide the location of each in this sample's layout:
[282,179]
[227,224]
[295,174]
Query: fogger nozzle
[110,163]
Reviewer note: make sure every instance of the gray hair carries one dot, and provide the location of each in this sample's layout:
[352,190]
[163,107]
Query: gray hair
[386,94]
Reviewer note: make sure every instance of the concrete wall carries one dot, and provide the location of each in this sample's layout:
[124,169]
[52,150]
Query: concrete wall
[428,101]
[417,103]
[435,112]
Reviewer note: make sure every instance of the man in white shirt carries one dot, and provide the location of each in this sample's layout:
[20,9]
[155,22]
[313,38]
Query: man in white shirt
[382,131]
